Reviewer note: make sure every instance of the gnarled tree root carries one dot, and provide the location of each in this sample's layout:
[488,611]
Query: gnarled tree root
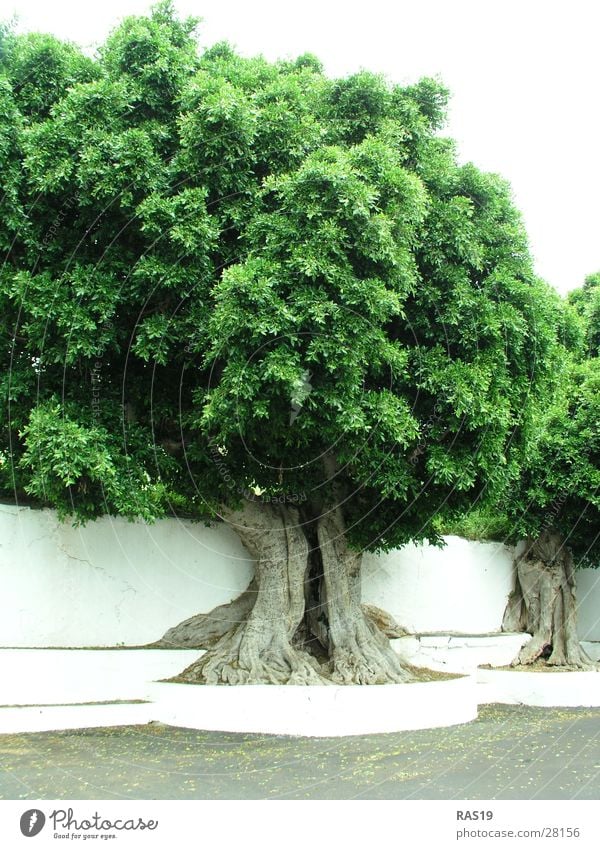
[544,603]
[206,629]
[253,654]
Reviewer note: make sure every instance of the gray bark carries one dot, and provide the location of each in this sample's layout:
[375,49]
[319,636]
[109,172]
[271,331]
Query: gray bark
[259,650]
[267,635]
[205,629]
[359,652]
[544,604]
[384,621]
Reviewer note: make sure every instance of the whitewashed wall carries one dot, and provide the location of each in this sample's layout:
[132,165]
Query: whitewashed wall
[114,582]
[463,587]
[588,597]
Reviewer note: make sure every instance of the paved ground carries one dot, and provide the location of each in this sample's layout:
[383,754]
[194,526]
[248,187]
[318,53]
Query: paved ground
[509,752]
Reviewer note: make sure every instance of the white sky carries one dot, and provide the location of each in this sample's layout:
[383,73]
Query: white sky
[525,78]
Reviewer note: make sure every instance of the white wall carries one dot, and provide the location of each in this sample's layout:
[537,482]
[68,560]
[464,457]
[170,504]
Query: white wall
[462,587]
[115,582]
[588,598]
[111,581]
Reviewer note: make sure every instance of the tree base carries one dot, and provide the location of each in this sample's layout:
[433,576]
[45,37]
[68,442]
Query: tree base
[364,656]
[544,604]
[247,655]
[300,621]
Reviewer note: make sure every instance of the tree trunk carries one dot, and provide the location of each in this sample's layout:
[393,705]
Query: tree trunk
[259,650]
[544,603]
[359,652]
[300,621]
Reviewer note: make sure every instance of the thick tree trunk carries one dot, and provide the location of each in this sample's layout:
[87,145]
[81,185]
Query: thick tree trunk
[300,621]
[359,652]
[259,650]
[544,603]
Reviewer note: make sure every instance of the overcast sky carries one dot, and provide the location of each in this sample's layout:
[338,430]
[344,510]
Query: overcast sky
[524,76]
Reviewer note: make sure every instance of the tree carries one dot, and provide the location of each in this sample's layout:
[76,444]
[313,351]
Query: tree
[241,290]
[556,511]
[586,301]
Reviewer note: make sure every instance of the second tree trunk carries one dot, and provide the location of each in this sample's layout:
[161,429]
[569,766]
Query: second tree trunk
[544,603]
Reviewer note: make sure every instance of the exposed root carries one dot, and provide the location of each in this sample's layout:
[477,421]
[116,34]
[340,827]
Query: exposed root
[248,655]
[383,621]
[363,655]
[206,629]
[544,604]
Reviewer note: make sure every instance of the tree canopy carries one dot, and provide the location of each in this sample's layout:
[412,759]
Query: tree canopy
[559,488]
[192,239]
[555,509]
[586,301]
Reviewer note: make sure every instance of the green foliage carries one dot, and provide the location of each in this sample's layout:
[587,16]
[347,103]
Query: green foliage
[81,470]
[586,302]
[41,69]
[156,56]
[480,524]
[431,97]
[560,486]
[227,276]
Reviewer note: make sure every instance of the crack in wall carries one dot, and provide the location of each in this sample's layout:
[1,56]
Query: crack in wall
[124,587]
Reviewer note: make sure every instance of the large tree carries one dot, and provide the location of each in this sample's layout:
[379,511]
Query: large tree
[241,290]
[555,509]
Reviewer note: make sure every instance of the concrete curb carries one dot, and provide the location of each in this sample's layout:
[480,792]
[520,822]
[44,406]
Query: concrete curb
[319,711]
[46,690]
[51,690]
[539,689]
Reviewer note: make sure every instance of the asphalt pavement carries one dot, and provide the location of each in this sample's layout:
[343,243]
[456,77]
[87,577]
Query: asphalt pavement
[509,752]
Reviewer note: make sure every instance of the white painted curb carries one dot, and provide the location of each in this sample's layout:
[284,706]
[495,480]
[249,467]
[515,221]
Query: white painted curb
[54,683]
[318,711]
[68,676]
[70,717]
[539,689]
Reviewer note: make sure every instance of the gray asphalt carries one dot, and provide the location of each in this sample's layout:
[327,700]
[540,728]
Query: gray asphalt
[510,752]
